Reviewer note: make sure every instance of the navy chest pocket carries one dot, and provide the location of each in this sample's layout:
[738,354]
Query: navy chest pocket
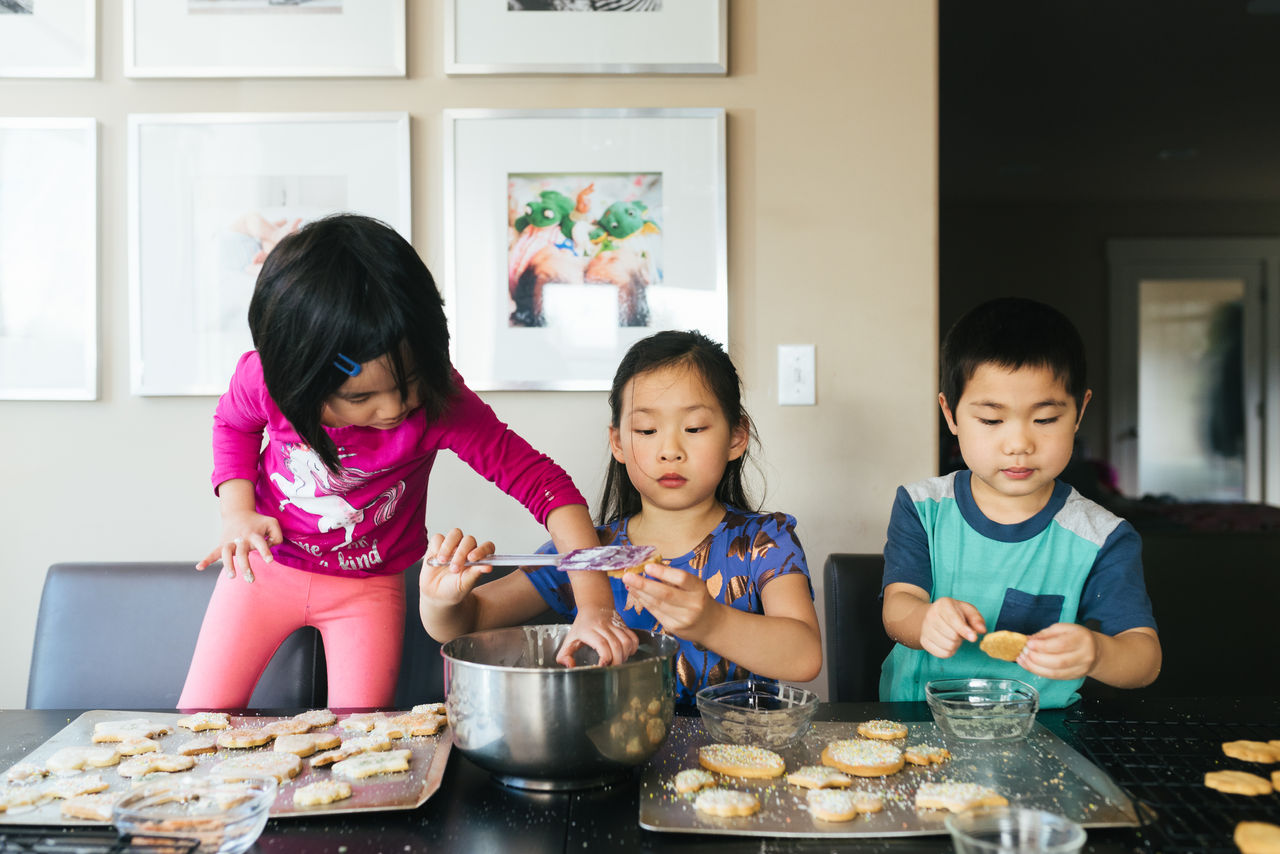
[1027,612]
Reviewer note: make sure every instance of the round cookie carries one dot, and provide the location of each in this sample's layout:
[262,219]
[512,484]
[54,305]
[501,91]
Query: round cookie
[1003,645]
[317,718]
[842,804]
[1251,751]
[1257,837]
[726,802]
[289,726]
[925,754]
[693,779]
[741,760]
[1237,783]
[882,729]
[241,738]
[863,758]
[819,777]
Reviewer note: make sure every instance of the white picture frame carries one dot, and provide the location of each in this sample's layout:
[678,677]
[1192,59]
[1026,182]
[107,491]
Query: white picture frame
[676,37]
[553,322]
[43,39]
[209,195]
[48,259]
[264,38]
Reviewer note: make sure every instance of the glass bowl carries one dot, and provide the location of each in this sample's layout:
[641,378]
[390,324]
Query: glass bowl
[1013,830]
[225,818]
[765,714]
[983,709]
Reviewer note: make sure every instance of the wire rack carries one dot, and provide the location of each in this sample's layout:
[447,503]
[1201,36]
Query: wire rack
[1162,765]
[43,840]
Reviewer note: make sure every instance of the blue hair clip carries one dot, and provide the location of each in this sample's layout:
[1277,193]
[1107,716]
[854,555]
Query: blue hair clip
[346,365]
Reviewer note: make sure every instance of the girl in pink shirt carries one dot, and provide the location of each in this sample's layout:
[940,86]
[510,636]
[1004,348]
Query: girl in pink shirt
[352,386]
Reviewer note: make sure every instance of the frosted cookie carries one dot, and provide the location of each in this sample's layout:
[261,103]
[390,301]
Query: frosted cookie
[925,754]
[73,787]
[76,758]
[321,792]
[204,720]
[429,709]
[693,779]
[741,760]
[361,723]
[305,744]
[819,777]
[317,718]
[842,804]
[1257,837]
[886,730]
[369,764]
[1251,751]
[196,746]
[91,807]
[1003,645]
[1275,779]
[957,797]
[24,796]
[352,747]
[24,771]
[1237,783]
[726,802]
[289,726]
[151,763]
[132,728]
[134,746]
[282,766]
[419,723]
[389,728]
[863,758]
[242,738]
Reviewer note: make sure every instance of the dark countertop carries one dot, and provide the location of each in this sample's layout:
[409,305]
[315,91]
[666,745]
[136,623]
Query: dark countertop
[1158,750]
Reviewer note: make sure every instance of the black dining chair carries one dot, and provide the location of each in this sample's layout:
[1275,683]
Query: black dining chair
[856,643]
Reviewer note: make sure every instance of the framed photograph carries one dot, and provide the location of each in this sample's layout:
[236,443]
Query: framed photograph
[48,38]
[572,234]
[263,38]
[48,259]
[586,37]
[210,195]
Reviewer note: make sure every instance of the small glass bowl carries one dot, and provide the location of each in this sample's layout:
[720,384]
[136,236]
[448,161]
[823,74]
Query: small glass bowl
[765,714]
[225,818]
[983,709]
[1013,830]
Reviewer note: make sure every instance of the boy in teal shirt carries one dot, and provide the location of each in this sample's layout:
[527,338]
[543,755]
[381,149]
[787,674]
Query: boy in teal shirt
[1005,545]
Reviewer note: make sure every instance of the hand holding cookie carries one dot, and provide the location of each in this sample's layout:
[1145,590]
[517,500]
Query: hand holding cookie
[678,599]
[947,622]
[1062,651]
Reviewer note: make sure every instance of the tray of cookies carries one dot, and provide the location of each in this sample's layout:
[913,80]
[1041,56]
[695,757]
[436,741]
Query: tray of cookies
[324,762]
[874,778]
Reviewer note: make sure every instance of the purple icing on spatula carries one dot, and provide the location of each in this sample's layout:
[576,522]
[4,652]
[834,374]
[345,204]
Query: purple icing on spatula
[608,558]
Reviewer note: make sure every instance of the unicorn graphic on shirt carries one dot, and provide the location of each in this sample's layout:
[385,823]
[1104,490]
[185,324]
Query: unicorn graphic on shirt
[313,491]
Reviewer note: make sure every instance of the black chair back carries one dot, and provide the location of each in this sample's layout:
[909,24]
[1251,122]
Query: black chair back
[856,643]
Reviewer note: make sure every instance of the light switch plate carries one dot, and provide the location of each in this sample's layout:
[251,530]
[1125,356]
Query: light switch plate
[796,375]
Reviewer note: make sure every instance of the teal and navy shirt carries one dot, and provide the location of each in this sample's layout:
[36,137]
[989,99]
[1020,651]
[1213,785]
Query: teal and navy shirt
[1073,562]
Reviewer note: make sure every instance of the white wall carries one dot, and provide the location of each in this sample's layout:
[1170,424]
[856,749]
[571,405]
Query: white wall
[832,137]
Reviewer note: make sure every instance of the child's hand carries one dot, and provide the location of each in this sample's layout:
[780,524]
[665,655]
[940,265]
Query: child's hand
[602,630]
[947,622]
[449,585]
[678,599]
[243,532]
[1062,651]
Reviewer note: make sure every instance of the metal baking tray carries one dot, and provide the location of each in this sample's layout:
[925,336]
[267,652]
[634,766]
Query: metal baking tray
[1040,771]
[402,791]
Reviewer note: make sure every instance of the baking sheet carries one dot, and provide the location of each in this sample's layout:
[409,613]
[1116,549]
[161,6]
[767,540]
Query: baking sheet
[1041,771]
[405,790]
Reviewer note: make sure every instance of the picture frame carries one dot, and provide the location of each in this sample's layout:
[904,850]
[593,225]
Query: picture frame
[41,39]
[264,38]
[209,195]
[554,307]
[48,259]
[661,37]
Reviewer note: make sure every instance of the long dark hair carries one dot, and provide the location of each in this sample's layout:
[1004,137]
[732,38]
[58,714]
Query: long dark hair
[347,285]
[699,353]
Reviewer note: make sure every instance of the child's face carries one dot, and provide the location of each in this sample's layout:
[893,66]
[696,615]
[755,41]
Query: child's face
[674,438]
[1016,430]
[370,399]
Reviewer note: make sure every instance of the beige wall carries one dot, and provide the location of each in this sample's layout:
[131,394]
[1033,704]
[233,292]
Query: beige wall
[832,133]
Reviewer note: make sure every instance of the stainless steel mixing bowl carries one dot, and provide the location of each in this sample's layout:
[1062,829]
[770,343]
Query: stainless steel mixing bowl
[538,725]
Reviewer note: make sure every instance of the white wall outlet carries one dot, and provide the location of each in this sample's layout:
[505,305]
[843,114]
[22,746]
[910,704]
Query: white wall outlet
[795,375]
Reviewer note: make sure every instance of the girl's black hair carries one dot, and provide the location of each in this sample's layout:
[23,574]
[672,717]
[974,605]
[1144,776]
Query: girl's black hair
[349,285]
[699,353]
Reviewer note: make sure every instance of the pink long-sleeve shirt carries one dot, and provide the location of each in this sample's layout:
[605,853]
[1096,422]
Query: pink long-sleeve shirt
[369,518]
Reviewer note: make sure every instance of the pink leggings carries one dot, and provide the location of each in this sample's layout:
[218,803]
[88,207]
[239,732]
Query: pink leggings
[360,619]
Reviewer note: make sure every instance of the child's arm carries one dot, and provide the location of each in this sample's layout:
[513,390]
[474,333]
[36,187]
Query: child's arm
[936,627]
[243,529]
[782,643]
[1130,659]
[597,624]
[449,602]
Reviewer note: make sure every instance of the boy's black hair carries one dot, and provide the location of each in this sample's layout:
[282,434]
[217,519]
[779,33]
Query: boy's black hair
[709,360]
[1012,333]
[347,284]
